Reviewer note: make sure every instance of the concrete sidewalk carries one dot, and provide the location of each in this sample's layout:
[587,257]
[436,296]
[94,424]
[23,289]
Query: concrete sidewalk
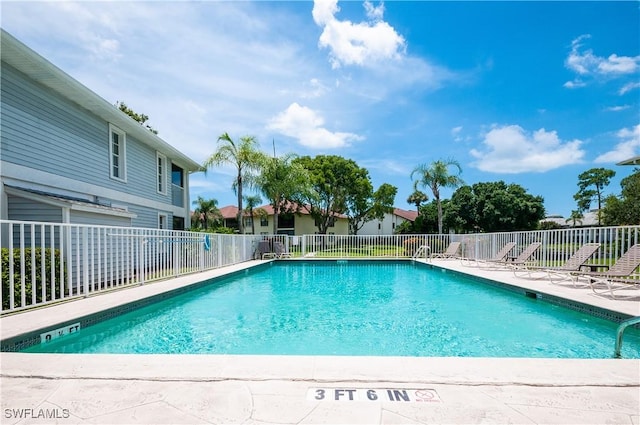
[192,389]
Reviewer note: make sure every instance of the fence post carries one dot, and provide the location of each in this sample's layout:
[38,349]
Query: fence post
[11,270]
[85,261]
[175,247]
[141,259]
[201,252]
[234,251]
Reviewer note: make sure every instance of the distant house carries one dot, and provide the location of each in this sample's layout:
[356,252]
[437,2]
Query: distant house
[388,224]
[69,156]
[297,224]
[589,219]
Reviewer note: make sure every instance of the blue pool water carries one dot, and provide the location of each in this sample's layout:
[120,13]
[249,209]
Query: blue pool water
[355,308]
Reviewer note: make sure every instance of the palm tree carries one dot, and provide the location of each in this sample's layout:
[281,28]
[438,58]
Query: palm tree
[206,211]
[417,198]
[435,176]
[252,202]
[575,217]
[282,181]
[245,157]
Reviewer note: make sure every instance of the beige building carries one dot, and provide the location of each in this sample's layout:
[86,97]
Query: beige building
[293,224]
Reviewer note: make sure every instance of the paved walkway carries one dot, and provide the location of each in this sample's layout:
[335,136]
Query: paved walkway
[194,389]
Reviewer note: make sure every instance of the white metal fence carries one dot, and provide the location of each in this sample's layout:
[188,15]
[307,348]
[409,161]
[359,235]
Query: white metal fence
[47,262]
[557,245]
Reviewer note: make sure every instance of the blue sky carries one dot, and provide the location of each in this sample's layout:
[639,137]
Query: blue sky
[532,93]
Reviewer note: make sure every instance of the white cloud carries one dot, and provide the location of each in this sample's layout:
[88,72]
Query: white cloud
[586,64]
[374,13]
[387,166]
[364,43]
[580,62]
[307,126]
[323,11]
[615,64]
[618,108]
[455,132]
[628,147]
[577,83]
[628,87]
[314,89]
[105,49]
[510,149]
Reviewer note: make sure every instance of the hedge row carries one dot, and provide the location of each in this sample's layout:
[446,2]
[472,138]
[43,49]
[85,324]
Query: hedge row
[29,266]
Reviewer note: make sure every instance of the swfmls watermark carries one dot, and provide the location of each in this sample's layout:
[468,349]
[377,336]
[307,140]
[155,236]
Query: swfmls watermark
[38,413]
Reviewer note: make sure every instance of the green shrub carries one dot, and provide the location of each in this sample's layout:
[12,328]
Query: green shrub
[29,285]
[411,245]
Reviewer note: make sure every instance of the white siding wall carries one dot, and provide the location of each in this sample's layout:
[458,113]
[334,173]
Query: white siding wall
[386,226]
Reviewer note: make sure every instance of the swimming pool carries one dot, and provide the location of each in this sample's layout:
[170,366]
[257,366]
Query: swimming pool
[374,308]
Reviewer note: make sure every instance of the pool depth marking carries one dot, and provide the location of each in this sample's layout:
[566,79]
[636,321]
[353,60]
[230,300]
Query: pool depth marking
[56,333]
[407,395]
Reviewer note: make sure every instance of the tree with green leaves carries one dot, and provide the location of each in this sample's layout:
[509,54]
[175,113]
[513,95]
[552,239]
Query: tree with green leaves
[625,209]
[591,186]
[495,207]
[575,218]
[247,160]
[417,198]
[206,213]
[427,219]
[405,228]
[333,180]
[141,118]
[252,202]
[435,176]
[284,182]
[462,214]
[363,204]
[549,225]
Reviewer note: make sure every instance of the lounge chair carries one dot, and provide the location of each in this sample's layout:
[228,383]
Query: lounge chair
[450,252]
[280,250]
[575,263]
[520,261]
[620,276]
[265,251]
[500,256]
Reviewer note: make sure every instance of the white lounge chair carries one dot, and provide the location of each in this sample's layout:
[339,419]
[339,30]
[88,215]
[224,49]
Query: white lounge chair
[520,261]
[575,263]
[450,252]
[500,256]
[620,276]
[264,250]
[281,250]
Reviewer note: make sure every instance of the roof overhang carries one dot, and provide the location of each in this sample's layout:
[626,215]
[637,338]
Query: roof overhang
[73,204]
[36,67]
[631,161]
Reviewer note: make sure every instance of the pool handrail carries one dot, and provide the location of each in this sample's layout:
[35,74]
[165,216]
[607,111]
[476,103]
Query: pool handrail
[620,333]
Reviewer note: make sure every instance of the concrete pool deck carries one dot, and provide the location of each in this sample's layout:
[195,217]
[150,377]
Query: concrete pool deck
[221,389]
